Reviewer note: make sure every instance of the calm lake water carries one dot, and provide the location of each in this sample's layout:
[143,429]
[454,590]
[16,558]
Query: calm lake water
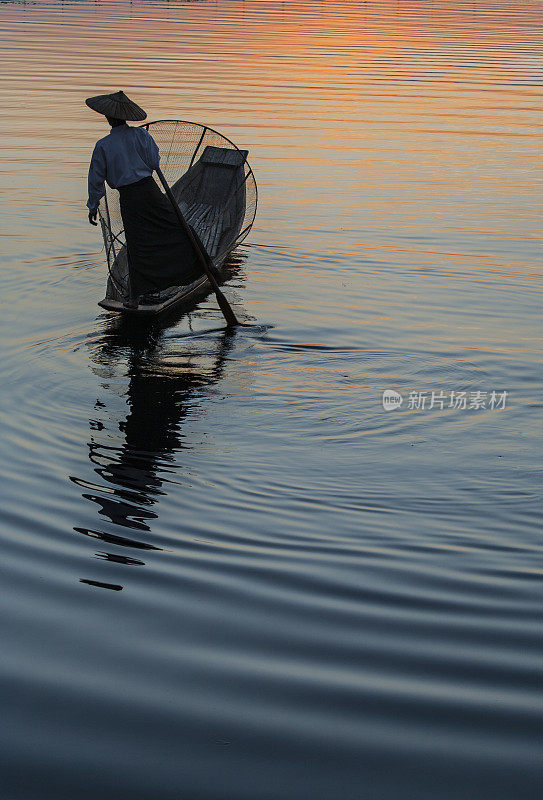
[227,572]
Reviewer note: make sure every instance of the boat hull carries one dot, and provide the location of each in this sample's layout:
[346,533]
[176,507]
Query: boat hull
[184,298]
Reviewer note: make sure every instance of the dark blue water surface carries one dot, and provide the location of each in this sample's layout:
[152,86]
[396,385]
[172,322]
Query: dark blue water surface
[228,573]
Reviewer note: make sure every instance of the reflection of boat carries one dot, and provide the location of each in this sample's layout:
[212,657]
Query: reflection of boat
[132,448]
[216,191]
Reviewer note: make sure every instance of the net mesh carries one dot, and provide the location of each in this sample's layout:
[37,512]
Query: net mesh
[212,183]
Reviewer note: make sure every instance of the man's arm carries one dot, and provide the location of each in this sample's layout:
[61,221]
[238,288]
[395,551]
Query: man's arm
[97,177]
[151,155]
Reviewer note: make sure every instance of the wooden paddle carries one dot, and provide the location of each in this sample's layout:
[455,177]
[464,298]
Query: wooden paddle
[224,305]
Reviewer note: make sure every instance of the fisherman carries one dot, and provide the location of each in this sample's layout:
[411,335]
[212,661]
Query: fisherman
[160,254]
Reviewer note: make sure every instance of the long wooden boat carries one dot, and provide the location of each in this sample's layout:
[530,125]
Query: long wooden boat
[216,191]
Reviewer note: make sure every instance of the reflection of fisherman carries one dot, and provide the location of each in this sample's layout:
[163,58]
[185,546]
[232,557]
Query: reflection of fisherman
[159,252]
[160,397]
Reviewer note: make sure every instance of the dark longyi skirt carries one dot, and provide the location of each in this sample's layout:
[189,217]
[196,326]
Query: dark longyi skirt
[160,253]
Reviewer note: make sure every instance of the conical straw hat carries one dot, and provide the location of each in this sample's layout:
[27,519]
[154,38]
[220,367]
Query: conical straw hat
[116,105]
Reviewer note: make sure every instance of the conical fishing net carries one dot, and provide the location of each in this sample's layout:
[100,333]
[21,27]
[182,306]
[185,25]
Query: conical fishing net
[212,183]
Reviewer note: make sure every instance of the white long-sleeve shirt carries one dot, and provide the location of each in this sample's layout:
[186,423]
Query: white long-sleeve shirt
[126,155]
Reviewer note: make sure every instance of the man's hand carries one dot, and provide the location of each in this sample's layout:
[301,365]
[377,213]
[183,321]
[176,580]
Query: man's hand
[92,217]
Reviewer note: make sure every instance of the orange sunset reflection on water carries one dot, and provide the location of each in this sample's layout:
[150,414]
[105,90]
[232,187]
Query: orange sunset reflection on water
[377,129]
